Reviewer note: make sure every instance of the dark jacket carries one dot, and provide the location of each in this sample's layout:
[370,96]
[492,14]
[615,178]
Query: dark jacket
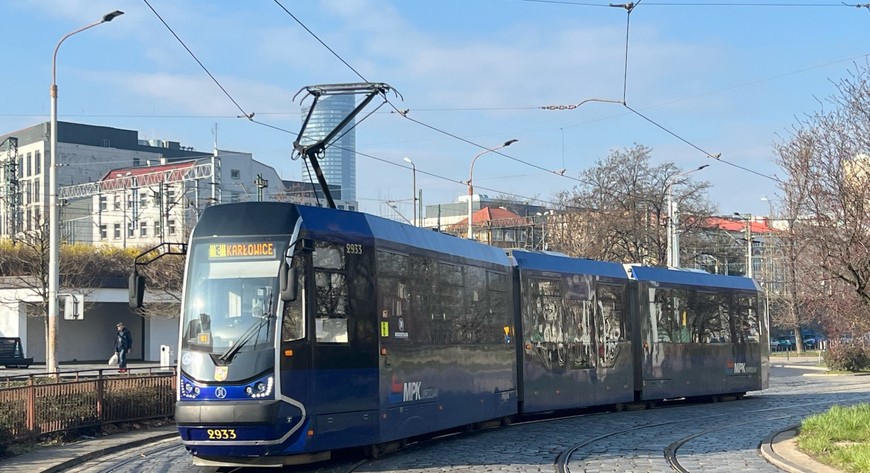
[123,340]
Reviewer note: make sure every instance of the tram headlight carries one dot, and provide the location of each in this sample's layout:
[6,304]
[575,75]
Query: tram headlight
[261,389]
[189,391]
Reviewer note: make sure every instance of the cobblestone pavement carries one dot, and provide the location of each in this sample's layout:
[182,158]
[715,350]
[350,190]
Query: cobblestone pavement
[713,437]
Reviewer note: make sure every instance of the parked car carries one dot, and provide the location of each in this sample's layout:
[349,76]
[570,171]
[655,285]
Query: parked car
[774,345]
[810,343]
[786,344]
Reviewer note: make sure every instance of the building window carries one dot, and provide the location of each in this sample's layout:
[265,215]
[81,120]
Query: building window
[171,225]
[235,174]
[157,230]
[103,230]
[136,161]
[143,229]
[37,156]
[117,231]
[27,165]
[36,190]
[103,204]
[130,233]
[117,202]
[143,200]
[106,143]
[170,195]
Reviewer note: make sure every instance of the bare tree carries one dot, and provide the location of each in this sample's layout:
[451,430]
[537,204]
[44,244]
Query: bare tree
[163,279]
[24,261]
[621,203]
[827,195]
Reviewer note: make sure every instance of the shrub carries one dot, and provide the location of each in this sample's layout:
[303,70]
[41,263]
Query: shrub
[845,357]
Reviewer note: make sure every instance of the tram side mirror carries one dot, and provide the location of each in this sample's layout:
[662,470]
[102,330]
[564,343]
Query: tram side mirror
[136,288]
[289,286]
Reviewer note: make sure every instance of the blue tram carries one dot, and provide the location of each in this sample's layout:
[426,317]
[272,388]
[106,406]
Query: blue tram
[305,330]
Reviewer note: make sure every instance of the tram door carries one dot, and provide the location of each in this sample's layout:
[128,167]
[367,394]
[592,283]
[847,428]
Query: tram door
[295,341]
[344,355]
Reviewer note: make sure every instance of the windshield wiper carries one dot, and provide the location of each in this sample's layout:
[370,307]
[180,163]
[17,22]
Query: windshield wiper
[227,356]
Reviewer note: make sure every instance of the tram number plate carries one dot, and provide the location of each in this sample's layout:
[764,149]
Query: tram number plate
[221,434]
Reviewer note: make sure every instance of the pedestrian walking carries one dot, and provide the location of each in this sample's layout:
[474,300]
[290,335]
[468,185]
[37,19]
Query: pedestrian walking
[123,345]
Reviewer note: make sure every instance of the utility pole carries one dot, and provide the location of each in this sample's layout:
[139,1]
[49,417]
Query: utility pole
[261,184]
[749,246]
[673,248]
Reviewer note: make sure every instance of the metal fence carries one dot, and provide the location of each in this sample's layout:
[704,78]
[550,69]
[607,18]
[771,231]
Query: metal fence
[34,405]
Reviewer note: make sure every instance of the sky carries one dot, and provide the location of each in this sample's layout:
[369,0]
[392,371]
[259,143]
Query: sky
[701,78]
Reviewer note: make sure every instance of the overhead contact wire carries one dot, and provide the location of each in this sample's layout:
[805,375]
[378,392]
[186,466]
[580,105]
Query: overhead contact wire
[246,114]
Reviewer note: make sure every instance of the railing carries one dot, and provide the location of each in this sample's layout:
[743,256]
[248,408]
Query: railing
[34,405]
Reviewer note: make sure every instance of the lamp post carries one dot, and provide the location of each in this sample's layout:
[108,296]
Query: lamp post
[471,175]
[414,188]
[673,248]
[54,251]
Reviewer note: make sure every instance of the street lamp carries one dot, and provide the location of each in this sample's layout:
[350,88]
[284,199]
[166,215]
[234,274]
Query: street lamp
[54,252]
[673,248]
[470,178]
[414,188]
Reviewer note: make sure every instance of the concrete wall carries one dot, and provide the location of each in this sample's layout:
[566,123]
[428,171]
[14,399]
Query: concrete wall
[92,337]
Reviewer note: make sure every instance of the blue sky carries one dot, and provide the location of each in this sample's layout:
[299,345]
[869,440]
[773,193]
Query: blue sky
[729,79]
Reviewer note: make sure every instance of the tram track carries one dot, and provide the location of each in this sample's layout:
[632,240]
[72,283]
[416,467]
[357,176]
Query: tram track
[111,463]
[672,449]
[670,452]
[564,457]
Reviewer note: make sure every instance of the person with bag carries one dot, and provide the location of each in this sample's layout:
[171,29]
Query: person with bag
[123,345]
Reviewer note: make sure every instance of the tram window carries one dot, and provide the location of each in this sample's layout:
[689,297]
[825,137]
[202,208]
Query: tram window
[331,293]
[450,274]
[743,319]
[391,263]
[393,303]
[496,281]
[610,328]
[294,321]
[473,323]
[331,329]
[580,332]
[328,256]
[670,315]
[543,317]
[707,323]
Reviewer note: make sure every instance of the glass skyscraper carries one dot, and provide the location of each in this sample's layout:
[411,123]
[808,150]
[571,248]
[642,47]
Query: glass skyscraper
[339,161]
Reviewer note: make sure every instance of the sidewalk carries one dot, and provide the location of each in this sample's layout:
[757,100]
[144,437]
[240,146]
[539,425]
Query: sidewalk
[805,362]
[59,458]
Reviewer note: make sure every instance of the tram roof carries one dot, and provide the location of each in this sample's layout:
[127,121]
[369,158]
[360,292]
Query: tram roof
[692,278]
[542,261]
[360,227]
